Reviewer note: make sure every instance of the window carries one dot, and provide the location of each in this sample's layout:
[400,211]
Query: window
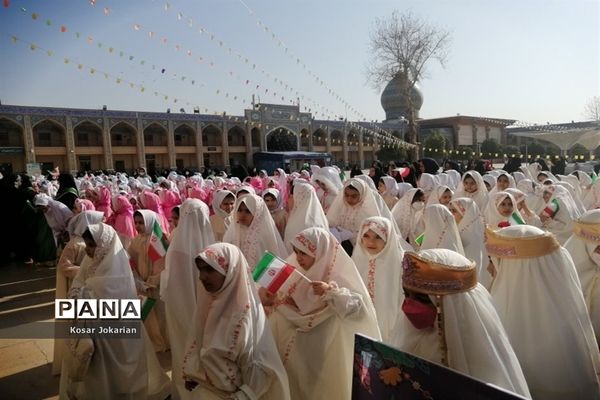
[45,139]
[148,140]
[4,141]
[83,139]
[85,163]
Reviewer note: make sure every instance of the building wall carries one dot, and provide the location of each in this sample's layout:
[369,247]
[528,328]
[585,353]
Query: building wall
[87,138]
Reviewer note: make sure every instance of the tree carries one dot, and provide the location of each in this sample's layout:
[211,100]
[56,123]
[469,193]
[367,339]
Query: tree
[464,152]
[434,145]
[387,154]
[592,109]
[489,148]
[511,151]
[404,44]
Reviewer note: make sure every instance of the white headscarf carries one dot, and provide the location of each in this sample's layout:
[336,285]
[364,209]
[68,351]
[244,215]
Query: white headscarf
[306,213]
[476,342]
[317,347]
[218,198]
[582,245]
[349,217]
[493,217]
[230,346]
[80,222]
[408,219]
[150,217]
[436,195]
[561,223]
[472,229]
[108,275]
[453,178]
[260,236]
[538,297]
[402,188]
[480,196]
[441,231]
[382,275]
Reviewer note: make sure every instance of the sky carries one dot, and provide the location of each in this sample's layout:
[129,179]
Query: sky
[530,60]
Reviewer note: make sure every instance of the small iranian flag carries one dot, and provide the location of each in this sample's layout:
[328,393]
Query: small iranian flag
[552,208]
[514,219]
[272,272]
[157,248]
[419,239]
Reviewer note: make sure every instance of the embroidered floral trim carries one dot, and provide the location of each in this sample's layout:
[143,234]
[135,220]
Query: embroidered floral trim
[214,256]
[501,251]
[587,235]
[379,229]
[306,243]
[371,279]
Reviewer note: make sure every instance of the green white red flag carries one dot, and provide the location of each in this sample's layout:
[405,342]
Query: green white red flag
[272,272]
[157,247]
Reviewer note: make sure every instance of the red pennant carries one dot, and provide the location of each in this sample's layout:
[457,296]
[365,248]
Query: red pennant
[6,3]
[63,29]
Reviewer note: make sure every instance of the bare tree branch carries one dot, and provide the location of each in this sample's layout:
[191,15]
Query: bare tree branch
[404,43]
[592,109]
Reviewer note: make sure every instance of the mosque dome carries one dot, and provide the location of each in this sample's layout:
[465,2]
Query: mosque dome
[394,102]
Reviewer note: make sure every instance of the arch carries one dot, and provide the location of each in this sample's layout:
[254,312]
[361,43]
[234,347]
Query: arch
[236,136]
[304,138]
[255,133]
[123,134]
[319,137]
[185,135]
[337,137]
[11,134]
[155,135]
[282,139]
[87,133]
[49,133]
[211,136]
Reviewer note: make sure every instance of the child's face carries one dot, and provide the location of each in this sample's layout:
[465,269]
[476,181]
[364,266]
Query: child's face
[271,202]
[211,279]
[469,185]
[505,208]
[372,242]
[227,205]
[304,260]
[174,218]
[546,196]
[502,182]
[244,216]
[351,196]
[455,213]
[381,187]
[139,223]
[446,197]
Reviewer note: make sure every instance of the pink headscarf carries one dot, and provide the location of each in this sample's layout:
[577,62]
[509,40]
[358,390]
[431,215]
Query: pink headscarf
[85,205]
[103,202]
[151,201]
[169,200]
[122,219]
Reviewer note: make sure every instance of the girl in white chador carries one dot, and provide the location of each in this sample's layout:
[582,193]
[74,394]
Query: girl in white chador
[330,184]
[448,318]
[305,212]
[253,229]
[408,215]
[377,255]
[68,266]
[388,189]
[315,323]
[538,297]
[222,205]
[584,247]
[120,367]
[473,187]
[559,213]
[502,211]
[440,195]
[351,206]
[231,353]
[472,229]
[179,281]
[441,230]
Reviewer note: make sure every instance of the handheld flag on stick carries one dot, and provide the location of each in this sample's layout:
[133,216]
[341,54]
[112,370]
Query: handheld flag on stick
[419,239]
[147,304]
[552,208]
[157,248]
[514,219]
[272,273]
